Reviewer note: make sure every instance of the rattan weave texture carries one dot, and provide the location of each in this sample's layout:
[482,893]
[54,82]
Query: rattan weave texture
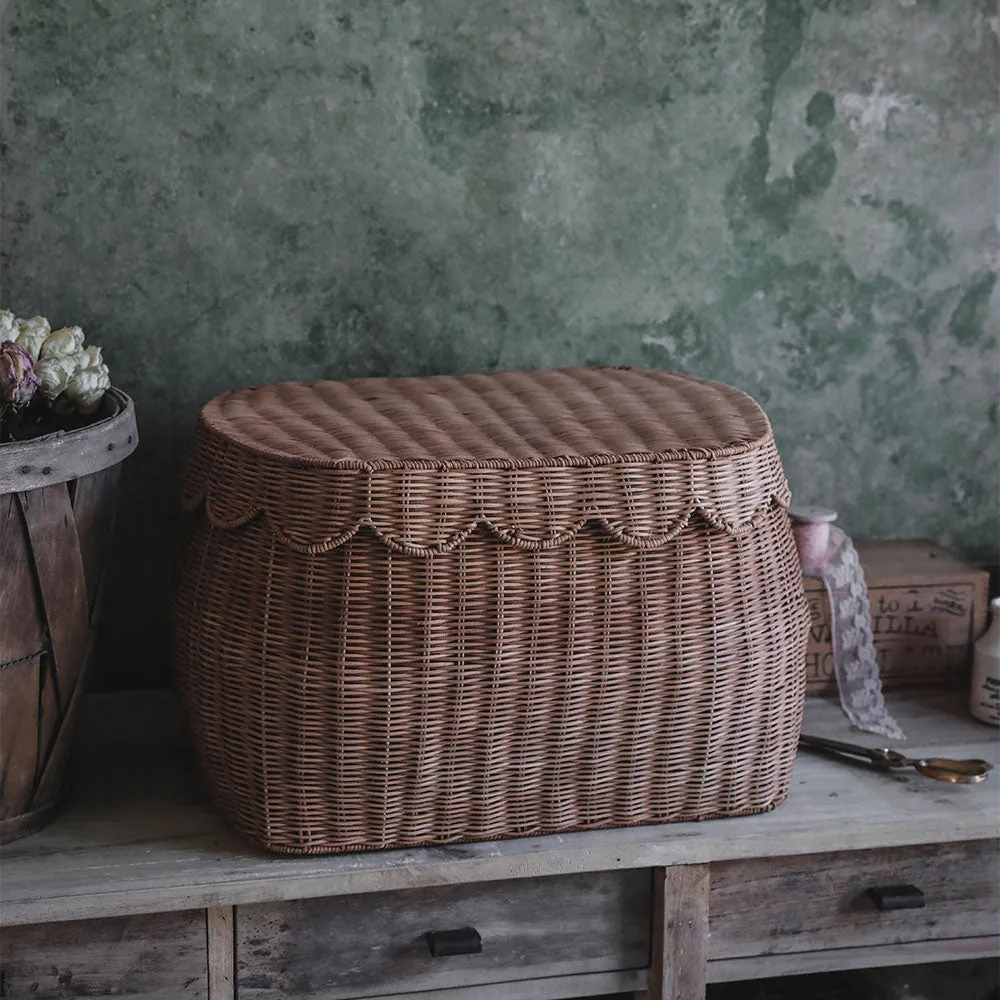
[417,611]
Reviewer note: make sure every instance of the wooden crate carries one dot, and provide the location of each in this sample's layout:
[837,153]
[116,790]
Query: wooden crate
[927,610]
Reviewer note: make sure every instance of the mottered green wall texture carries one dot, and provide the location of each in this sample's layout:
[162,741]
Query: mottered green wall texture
[798,197]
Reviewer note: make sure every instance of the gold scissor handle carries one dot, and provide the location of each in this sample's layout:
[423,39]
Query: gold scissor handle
[964,772]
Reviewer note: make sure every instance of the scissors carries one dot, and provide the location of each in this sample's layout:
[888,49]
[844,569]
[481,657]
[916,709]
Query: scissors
[965,772]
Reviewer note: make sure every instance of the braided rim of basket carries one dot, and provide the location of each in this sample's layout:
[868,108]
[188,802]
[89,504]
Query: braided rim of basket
[519,540]
[62,455]
[228,506]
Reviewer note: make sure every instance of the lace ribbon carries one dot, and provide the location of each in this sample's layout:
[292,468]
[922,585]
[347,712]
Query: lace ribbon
[854,659]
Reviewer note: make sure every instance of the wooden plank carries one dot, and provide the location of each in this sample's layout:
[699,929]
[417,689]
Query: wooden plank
[57,458]
[20,636]
[726,970]
[52,782]
[51,528]
[529,928]
[94,505]
[140,835]
[220,924]
[783,905]
[159,957]
[590,985]
[18,738]
[680,932]
[55,551]
[22,632]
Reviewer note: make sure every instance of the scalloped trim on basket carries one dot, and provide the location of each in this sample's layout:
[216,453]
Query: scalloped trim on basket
[511,535]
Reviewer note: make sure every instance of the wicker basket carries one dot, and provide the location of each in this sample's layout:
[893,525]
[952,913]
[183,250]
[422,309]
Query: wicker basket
[419,611]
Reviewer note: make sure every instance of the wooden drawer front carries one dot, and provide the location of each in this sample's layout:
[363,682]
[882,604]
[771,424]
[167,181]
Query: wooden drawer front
[163,956]
[820,901]
[370,945]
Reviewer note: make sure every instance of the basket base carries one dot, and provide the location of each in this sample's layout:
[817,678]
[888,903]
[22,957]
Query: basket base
[286,847]
[16,827]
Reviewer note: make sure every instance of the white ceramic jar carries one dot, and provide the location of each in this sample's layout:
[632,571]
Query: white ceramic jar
[984,701]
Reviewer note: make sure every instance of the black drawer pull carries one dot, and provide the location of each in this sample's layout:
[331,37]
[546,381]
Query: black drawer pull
[464,941]
[897,897]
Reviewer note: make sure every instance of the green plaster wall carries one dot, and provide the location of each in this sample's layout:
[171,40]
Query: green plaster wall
[795,196]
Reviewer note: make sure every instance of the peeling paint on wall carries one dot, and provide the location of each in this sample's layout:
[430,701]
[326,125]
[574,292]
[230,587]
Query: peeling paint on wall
[868,114]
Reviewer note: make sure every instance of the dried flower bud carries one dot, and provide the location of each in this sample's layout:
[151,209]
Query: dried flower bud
[86,388]
[55,372]
[8,325]
[18,380]
[32,333]
[68,340]
[90,358]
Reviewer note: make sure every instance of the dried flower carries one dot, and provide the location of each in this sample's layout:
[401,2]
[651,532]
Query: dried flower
[8,325]
[91,381]
[71,378]
[18,380]
[68,340]
[55,372]
[31,334]
[90,357]
[87,387]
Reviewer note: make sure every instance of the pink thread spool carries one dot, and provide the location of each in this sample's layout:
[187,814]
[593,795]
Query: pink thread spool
[811,528]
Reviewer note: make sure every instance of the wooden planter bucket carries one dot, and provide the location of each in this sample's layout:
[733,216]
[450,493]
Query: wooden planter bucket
[57,505]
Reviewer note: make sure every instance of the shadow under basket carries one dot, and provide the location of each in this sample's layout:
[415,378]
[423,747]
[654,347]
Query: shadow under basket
[425,611]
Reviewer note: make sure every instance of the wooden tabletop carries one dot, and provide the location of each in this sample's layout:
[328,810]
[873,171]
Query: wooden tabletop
[140,835]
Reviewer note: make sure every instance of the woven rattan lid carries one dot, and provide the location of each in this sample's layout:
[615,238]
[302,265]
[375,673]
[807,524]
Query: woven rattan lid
[532,455]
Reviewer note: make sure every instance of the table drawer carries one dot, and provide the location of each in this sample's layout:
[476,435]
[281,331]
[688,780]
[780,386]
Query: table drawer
[371,945]
[162,956]
[822,901]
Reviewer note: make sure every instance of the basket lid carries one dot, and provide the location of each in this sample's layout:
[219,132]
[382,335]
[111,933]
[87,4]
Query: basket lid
[532,455]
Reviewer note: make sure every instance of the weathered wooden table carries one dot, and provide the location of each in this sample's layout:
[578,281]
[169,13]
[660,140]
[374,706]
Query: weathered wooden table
[139,890]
